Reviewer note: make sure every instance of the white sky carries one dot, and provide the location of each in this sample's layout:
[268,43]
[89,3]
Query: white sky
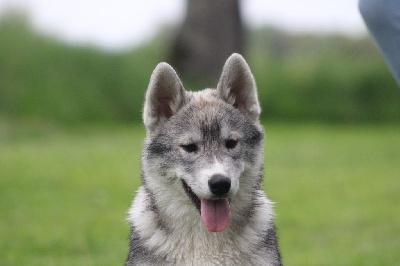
[117,24]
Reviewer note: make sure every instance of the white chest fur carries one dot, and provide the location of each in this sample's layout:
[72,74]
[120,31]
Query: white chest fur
[182,239]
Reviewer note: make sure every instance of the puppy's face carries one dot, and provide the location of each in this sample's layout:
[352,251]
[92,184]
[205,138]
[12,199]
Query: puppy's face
[204,140]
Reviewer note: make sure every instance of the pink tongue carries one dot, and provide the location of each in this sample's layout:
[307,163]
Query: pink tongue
[215,214]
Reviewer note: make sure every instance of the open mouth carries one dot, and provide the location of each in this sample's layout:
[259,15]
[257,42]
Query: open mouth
[192,196]
[215,213]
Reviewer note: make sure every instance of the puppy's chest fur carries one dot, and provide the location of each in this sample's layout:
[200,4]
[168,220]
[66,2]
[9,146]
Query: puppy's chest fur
[187,242]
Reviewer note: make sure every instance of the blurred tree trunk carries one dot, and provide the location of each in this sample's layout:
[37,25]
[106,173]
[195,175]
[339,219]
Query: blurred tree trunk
[211,32]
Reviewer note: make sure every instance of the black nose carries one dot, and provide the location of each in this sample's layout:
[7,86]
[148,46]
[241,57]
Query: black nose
[219,185]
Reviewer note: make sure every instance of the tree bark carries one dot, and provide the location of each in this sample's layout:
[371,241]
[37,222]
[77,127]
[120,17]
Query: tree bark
[211,32]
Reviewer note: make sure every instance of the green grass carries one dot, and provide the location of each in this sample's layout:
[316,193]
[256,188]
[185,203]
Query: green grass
[337,193]
[64,193]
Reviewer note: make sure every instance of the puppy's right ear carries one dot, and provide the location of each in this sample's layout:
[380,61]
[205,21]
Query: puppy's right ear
[164,96]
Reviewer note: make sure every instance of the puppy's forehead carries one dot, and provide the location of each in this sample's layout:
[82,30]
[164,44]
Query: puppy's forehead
[205,99]
[208,115]
[206,107]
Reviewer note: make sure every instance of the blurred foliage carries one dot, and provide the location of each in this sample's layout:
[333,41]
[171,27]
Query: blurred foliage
[329,78]
[44,79]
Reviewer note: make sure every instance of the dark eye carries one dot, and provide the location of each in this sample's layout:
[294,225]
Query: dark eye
[231,143]
[190,147]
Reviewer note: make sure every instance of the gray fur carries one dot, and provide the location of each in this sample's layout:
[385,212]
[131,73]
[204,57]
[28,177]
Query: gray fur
[166,226]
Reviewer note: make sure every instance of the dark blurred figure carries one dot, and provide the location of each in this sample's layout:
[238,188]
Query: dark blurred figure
[383,21]
[211,32]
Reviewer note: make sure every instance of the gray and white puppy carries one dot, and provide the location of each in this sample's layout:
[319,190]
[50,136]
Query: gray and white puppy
[201,201]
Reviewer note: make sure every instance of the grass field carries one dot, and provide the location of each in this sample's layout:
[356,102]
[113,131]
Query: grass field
[64,193]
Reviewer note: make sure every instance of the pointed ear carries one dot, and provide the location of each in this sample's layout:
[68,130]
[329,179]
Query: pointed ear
[164,95]
[238,87]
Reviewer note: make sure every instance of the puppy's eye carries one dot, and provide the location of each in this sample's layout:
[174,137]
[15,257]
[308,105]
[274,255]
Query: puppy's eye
[190,147]
[231,143]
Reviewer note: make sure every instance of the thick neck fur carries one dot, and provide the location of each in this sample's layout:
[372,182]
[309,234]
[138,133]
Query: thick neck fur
[169,226]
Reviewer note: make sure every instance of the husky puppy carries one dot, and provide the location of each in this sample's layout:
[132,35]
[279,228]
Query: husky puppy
[201,201]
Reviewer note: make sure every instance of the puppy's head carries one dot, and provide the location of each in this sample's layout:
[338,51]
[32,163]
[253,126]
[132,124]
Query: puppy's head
[204,141]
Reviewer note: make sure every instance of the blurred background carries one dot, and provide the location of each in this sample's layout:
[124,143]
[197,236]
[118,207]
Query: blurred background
[72,80]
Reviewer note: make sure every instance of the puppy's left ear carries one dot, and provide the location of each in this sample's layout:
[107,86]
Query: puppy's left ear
[238,87]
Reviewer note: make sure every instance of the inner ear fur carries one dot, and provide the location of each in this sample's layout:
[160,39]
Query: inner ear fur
[237,86]
[163,97]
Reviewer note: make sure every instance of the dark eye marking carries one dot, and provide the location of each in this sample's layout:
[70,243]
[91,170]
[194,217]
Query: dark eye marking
[231,144]
[190,147]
